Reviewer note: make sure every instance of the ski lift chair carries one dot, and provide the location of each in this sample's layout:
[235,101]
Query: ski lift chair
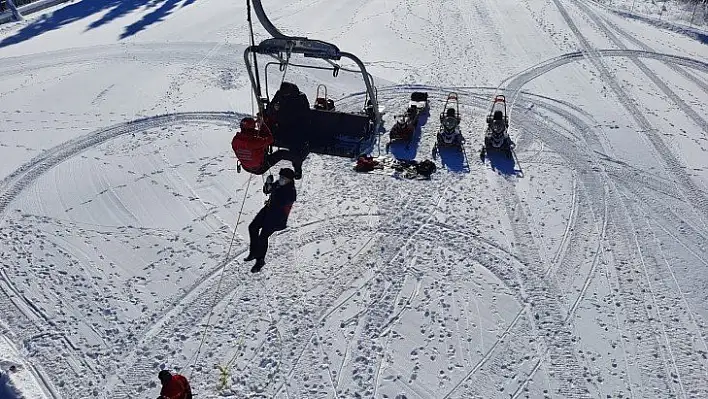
[324,130]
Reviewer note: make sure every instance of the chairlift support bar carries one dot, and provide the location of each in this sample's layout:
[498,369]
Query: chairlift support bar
[281,43]
[335,68]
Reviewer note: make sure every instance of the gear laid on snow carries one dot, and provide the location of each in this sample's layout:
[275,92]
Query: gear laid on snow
[396,167]
[367,163]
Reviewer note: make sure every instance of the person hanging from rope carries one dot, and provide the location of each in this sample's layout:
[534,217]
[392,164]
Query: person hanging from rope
[251,144]
[174,386]
[272,217]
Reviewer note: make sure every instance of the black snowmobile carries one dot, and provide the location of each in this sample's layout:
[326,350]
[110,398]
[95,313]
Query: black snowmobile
[496,137]
[449,134]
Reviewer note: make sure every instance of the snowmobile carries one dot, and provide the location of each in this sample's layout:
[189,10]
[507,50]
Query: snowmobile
[496,137]
[404,128]
[321,101]
[449,134]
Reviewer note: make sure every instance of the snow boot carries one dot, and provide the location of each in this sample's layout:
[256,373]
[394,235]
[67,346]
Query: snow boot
[258,266]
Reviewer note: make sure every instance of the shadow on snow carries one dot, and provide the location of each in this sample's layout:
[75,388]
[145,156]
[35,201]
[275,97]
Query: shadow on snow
[156,10]
[6,390]
[503,163]
[454,159]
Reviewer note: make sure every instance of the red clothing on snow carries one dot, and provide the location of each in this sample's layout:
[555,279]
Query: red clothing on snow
[177,388]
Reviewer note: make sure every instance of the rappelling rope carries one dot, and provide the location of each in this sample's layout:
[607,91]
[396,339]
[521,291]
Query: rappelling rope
[221,278]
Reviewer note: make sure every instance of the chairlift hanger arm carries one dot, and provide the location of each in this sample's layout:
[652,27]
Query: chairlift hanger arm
[265,22]
[307,47]
[280,63]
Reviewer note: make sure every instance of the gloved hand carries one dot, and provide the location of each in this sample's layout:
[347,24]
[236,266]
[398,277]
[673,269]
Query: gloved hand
[268,185]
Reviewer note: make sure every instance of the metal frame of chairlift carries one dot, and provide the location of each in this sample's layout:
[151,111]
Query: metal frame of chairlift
[281,47]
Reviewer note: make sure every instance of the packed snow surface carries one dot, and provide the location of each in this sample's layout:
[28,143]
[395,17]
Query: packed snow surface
[576,269]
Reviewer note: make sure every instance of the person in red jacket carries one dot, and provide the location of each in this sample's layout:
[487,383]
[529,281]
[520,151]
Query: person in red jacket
[251,145]
[174,386]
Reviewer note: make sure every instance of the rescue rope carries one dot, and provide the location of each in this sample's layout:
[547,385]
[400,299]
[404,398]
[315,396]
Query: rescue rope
[221,278]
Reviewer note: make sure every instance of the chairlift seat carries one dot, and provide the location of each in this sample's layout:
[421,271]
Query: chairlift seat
[334,133]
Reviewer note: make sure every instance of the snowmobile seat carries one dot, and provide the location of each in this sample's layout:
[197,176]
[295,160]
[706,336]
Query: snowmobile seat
[450,122]
[498,126]
[450,112]
[498,115]
[419,96]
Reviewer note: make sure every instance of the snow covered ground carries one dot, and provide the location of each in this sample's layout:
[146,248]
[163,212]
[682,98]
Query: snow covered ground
[578,270]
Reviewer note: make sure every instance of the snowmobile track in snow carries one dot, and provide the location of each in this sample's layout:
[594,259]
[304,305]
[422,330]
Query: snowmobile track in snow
[683,359]
[606,27]
[698,82]
[689,188]
[14,184]
[28,173]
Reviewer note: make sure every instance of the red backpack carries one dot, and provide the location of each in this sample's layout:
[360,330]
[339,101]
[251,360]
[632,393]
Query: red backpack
[251,143]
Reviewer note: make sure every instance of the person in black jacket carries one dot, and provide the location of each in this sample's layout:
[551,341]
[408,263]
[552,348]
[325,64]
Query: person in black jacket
[288,116]
[272,217]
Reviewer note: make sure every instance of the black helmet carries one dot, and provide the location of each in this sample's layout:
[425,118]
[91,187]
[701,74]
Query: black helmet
[164,375]
[287,172]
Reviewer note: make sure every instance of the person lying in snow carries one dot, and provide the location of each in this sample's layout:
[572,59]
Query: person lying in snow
[174,386]
[272,217]
[251,143]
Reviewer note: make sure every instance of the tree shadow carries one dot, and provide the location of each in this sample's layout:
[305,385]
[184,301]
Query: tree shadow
[86,8]
[152,18]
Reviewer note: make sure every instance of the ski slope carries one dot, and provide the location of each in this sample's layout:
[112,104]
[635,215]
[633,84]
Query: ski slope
[579,270]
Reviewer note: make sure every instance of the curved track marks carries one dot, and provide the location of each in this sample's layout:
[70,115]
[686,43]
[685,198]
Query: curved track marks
[688,187]
[606,27]
[28,173]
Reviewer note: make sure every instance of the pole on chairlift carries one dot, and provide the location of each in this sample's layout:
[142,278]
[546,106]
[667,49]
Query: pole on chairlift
[253,43]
